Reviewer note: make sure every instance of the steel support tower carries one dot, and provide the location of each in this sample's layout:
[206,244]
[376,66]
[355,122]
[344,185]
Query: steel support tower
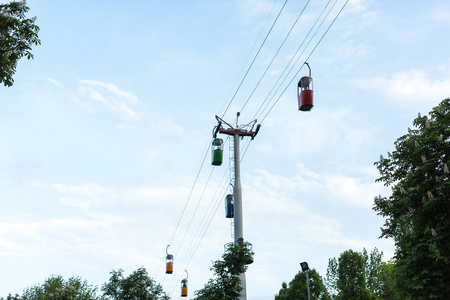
[237,133]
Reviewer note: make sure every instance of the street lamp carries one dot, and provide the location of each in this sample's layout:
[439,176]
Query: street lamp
[305,269]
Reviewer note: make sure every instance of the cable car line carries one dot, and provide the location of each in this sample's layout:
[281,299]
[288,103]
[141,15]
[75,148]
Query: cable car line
[335,18]
[187,201]
[191,251]
[276,54]
[192,216]
[218,202]
[209,207]
[248,56]
[184,208]
[195,210]
[289,63]
[299,56]
[190,194]
[204,216]
[254,59]
[211,212]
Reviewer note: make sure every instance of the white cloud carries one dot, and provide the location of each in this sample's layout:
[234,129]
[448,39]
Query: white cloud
[356,190]
[96,197]
[348,132]
[55,82]
[411,86]
[129,96]
[124,103]
[361,8]
[252,8]
[58,236]
[351,190]
[127,227]
[442,14]
[109,225]
[351,51]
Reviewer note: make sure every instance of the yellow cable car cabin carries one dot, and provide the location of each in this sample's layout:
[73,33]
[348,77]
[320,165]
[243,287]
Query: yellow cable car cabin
[184,287]
[217,152]
[169,264]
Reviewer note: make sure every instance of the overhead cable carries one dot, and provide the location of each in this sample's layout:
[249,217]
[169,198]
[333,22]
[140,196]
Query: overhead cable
[290,61]
[259,50]
[273,58]
[335,18]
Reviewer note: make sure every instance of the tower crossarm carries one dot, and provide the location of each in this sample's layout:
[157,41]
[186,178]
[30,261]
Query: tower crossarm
[243,130]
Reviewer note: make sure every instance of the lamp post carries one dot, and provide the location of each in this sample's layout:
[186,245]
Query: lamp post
[305,269]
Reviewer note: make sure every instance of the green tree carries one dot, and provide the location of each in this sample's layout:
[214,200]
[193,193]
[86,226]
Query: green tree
[17,35]
[379,275]
[361,276]
[138,285]
[418,210]
[56,288]
[11,297]
[386,288]
[351,279]
[226,283]
[298,288]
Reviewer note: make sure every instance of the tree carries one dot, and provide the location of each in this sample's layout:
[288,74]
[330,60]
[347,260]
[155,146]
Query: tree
[359,275]
[298,288]
[17,35]
[351,280]
[56,288]
[386,288]
[418,210]
[226,284]
[11,297]
[136,286]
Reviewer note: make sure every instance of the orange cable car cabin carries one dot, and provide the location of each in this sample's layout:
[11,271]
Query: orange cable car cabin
[169,264]
[184,287]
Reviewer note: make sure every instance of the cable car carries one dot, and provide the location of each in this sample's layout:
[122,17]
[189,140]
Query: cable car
[169,262]
[305,92]
[229,206]
[217,152]
[184,286]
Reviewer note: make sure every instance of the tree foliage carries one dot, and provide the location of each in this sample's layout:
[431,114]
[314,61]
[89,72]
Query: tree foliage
[418,210]
[351,281]
[359,275]
[226,283]
[56,288]
[17,35]
[138,285]
[298,288]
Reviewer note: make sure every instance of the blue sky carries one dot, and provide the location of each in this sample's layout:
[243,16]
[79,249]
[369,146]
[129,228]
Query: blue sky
[103,134]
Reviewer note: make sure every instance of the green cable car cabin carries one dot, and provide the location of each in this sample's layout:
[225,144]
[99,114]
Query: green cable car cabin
[217,152]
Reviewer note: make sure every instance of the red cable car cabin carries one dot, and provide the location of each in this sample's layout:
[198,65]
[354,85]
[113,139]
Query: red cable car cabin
[305,93]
